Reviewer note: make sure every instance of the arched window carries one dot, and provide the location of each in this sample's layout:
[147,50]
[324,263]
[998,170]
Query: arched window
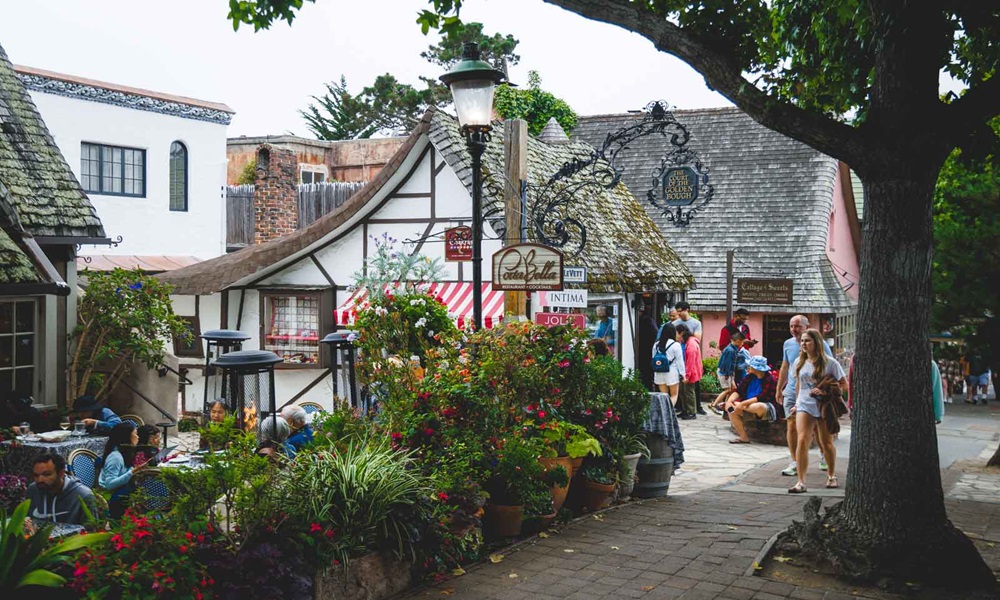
[178,176]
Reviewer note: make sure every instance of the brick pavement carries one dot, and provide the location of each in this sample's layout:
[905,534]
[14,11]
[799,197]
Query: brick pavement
[696,544]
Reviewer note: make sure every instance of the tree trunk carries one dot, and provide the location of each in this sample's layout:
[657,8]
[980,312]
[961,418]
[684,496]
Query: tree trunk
[995,460]
[893,512]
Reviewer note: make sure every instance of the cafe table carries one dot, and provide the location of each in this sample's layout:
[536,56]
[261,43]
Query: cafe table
[17,456]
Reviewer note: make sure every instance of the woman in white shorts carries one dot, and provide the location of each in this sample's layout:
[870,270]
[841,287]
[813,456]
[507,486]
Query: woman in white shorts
[667,343]
[811,367]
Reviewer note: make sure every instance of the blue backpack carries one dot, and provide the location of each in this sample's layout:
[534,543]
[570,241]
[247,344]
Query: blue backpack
[660,362]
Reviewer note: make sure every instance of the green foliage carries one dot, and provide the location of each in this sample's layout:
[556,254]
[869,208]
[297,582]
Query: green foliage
[148,559]
[388,267]
[710,380]
[966,256]
[362,496]
[217,436]
[598,474]
[534,105]
[248,174]
[262,13]
[28,559]
[124,318]
[339,115]
[517,476]
[494,49]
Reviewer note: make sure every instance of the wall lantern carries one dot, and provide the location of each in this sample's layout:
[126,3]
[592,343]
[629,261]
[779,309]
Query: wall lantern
[343,351]
[219,342]
[248,387]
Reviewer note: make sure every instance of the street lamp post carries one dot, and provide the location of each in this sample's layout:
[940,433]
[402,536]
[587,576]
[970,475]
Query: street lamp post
[472,82]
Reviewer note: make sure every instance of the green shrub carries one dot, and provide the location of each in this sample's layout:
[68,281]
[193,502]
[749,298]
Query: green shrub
[710,381]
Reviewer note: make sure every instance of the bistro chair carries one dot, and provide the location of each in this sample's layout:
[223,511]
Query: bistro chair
[135,420]
[82,463]
[311,407]
[154,493]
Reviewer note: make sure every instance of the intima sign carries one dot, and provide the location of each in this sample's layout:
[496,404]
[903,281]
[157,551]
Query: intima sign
[528,267]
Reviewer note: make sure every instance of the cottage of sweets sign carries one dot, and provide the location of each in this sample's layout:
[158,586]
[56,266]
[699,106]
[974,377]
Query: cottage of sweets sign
[763,291]
[458,244]
[528,267]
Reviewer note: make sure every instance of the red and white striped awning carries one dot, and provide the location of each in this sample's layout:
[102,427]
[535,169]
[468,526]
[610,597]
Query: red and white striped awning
[456,295]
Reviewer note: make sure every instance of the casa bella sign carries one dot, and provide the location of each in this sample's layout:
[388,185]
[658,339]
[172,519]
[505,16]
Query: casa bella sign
[528,267]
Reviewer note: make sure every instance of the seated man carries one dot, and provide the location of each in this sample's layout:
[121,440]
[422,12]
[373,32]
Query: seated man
[302,433]
[56,496]
[754,396]
[97,418]
[731,368]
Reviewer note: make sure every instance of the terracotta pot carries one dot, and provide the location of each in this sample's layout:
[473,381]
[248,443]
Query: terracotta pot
[503,520]
[558,492]
[533,525]
[596,494]
[577,463]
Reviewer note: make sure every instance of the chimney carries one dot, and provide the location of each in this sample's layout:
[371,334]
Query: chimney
[275,194]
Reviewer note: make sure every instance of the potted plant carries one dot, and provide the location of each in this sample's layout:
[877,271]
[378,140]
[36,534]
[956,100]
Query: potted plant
[566,444]
[515,477]
[600,484]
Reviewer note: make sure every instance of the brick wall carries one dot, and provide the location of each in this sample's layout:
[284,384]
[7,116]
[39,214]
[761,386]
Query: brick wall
[275,197]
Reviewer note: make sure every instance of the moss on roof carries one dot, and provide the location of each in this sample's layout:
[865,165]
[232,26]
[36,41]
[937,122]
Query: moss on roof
[39,184]
[624,250]
[15,266]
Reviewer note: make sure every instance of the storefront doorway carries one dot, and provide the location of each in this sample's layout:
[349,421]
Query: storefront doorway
[775,334]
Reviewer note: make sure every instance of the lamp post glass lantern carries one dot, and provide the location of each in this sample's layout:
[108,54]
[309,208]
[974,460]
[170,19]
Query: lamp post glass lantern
[472,82]
[218,342]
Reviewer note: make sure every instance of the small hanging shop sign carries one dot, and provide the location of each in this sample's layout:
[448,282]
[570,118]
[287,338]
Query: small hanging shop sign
[458,244]
[528,267]
[763,291]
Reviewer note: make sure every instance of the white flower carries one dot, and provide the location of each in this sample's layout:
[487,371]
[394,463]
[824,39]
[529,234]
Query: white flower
[421,322]
[417,302]
[430,333]
[381,311]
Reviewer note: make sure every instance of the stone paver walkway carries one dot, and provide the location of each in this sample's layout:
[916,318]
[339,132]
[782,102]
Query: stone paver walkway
[725,504]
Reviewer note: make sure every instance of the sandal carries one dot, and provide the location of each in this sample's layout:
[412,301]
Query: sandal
[798,488]
[738,441]
[831,482]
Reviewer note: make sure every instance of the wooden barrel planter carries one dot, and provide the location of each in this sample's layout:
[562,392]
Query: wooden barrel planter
[655,472]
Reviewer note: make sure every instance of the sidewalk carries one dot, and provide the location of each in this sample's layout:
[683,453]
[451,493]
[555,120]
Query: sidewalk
[699,542]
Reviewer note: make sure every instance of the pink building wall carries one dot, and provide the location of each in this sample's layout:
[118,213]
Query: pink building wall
[840,246]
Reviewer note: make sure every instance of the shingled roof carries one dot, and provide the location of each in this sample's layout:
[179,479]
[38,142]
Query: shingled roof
[772,204]
[35,181]
[624,250]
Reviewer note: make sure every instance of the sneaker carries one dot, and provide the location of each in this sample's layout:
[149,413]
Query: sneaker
[822,464]
[791,470]
[714,409]
[701,411]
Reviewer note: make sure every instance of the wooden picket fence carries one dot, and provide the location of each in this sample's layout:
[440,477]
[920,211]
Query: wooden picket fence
[315,200]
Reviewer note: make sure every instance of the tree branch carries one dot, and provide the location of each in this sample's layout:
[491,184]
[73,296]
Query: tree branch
[974,108]
[723,74]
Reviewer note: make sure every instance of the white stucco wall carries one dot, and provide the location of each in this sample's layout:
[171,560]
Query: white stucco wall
[147,225]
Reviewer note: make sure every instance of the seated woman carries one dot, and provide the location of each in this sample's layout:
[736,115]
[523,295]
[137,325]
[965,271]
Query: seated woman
[217,411]
[754,396]
[115,476]
[149,441]
[273,433]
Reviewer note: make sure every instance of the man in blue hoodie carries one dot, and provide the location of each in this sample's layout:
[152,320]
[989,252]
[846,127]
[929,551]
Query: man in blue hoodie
[56,496]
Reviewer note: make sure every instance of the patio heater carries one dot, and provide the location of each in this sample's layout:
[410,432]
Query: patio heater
[219,341]
[343,351]
[248,386]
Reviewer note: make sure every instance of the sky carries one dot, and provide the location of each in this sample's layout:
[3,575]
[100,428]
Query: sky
[189,48]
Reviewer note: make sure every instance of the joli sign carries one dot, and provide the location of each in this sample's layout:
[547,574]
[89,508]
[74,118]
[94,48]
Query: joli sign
[528,267]
[553,319]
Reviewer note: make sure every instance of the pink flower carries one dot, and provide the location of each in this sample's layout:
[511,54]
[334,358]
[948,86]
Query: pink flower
[541,414]
[563,364]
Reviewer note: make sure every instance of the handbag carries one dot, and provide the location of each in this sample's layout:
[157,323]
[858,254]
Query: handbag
[660,362]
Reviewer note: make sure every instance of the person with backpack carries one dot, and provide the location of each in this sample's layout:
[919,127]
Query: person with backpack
[978,381]
[668,362]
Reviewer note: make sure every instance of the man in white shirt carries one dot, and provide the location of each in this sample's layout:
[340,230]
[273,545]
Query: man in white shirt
[693,324]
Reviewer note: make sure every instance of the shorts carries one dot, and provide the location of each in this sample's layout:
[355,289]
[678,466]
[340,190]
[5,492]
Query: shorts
[983,380]
[668,378]
[788,403]
[726,381]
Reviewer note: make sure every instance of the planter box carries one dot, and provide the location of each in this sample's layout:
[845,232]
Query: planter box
[370,577]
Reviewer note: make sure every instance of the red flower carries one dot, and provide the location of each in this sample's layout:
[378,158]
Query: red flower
[428,432]
[563,364]
[313,528]
[189,536]
[201,539]
[80,570]
[329,533]
[183,549]
[541,414]
[442,496]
